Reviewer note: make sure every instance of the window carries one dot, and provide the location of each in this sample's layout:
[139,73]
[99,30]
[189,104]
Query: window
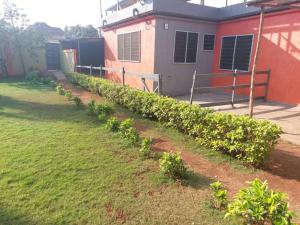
[186,44]
[209,42]
[236,52]
[129,46]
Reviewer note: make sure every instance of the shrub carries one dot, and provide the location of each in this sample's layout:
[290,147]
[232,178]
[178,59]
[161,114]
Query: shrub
[91,107]
[257,204]
[113,124]
[69,95]
[241,137]
[219,195]
[172,165]
[128,132]
[78,101]
[33,76]
[60,89]
[145,149]
[103,109]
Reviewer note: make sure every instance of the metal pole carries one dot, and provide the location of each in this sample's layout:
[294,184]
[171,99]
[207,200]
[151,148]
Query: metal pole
[193,85]
[233,87]
[91,70]
[123,76]
[159,84]
[251,96]
[100,70]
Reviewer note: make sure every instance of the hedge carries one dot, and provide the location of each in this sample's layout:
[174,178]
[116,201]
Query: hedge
[247,139]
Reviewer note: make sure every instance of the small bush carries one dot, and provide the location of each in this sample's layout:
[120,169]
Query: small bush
[128,132]
[60,89]
[91,107]
[219,195]
[33,76]
[172,165]
[103,109]
[145,149]
[78,101]
[257,204]
[113,124]
[69,95]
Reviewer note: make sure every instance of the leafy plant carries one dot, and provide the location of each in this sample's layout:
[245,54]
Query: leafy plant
[241,137]
[60,89]
[145,149]
[91,107]
[172,165]
[128,132]
[103,109]
[78,101]
[258,205]
[69,95]
[219,195]
[32,76]
[113,124]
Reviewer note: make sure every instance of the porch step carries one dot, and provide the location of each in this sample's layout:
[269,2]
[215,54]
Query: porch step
[58,75]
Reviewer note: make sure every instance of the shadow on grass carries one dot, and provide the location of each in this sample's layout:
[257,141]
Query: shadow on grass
[196,181]
[10,217]
[36,111]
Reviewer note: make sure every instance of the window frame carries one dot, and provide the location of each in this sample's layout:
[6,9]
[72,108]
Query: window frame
[140,41]
[220,54]
[186,45]
[204,43]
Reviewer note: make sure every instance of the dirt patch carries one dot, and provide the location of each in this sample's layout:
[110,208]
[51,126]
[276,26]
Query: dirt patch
[282,171]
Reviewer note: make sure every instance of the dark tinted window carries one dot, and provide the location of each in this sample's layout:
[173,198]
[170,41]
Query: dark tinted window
[236,52]
[186,44]
[227,52]
[242,53]
[209,42]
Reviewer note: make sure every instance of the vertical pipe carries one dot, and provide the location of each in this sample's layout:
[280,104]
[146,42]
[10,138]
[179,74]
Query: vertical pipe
[233,88]
[192,89]
[258,45]
[159,84]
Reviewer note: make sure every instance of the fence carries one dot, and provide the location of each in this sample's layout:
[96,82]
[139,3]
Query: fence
[143,76]
[233,87]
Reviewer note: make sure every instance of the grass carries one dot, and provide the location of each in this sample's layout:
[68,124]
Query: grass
[60,166]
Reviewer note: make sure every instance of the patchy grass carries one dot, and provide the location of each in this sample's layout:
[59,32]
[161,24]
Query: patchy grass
[60,166]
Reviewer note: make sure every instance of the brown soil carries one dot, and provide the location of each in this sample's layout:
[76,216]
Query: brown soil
[282,171]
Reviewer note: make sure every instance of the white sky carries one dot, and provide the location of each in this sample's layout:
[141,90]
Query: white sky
[60,13]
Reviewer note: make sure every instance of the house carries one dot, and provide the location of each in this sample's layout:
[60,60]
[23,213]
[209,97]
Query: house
[175,37]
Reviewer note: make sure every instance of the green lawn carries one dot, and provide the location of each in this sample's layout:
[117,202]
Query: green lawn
[60,166]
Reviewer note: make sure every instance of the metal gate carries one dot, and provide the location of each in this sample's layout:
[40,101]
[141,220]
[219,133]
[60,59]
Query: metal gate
[53,56]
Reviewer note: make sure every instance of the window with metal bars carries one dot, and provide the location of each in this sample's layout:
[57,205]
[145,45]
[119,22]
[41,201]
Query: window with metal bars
[186,44]
[129,46]
[236,52]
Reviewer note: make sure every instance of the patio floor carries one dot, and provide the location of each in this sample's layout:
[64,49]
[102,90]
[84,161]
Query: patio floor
[287,116]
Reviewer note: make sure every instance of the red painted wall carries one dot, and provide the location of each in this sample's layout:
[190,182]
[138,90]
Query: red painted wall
[280,52]
[146,65]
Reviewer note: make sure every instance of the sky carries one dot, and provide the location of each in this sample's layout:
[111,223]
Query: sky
[60,13]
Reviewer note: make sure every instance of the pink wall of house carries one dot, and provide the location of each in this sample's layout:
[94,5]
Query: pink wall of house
[280,52]
[146,65]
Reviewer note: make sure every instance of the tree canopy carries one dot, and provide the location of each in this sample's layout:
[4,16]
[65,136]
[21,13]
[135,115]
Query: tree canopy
[79,31]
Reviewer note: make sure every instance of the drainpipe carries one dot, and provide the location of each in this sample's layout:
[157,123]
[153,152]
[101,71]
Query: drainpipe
[201,2]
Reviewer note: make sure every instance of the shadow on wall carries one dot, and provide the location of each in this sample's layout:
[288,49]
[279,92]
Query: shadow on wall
[280,52]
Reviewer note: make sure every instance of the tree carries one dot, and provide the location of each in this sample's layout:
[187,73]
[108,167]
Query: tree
[79,31]
[14,30]
[4,37]
[17,23]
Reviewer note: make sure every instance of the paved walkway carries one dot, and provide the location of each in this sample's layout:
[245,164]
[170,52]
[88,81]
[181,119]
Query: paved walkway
[288,117]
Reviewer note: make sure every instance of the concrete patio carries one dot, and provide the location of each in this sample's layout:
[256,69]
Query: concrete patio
[287,116]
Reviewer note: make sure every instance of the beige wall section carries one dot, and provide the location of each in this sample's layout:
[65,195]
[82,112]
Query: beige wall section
[146,65]
[67,60]
[32,62]
[177,78]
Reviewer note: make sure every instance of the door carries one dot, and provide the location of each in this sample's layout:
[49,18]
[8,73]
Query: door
[53,56]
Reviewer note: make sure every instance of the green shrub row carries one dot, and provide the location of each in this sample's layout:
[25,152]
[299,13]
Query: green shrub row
[247,139]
